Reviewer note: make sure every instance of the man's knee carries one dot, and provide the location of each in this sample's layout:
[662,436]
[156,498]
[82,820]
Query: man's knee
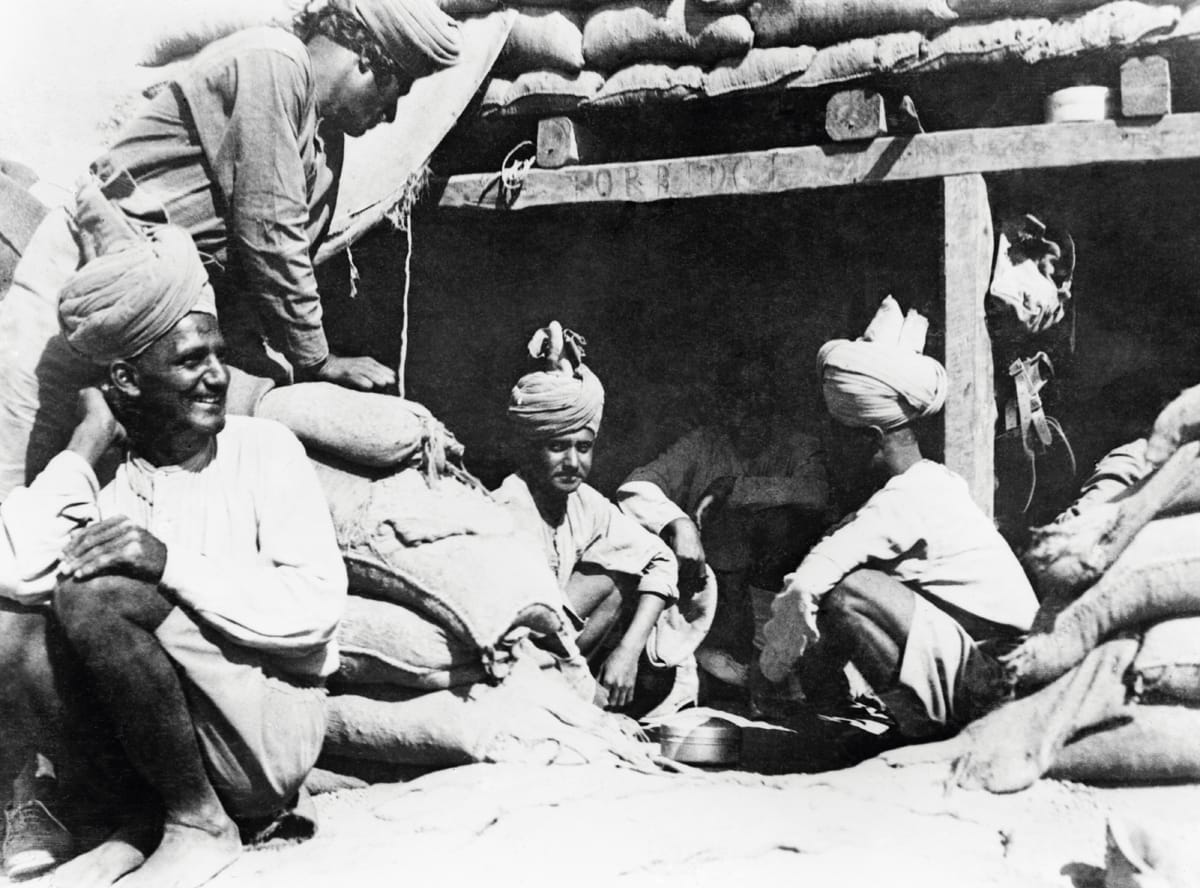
[88,605]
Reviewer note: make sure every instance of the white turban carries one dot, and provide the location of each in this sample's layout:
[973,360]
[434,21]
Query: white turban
[135,289]
[418,37]
[565,398]
[882,379]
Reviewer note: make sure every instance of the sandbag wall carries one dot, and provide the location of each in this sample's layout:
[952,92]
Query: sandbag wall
[443,599]
[568,56]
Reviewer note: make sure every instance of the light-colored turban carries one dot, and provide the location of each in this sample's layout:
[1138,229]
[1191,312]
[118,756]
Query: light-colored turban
[882,379]
[136,287]
[562,399]
[416,35]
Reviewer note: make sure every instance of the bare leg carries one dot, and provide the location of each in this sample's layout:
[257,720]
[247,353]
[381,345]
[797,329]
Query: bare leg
[1157,577]
[866,619]
[596,598]
[109,623]
[1075,553]
[1010,748]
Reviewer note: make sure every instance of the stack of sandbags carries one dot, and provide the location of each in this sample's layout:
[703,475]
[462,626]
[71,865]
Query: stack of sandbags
[445,601]
[673,50]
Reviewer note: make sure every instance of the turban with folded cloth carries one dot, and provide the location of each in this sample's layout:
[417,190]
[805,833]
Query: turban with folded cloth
[135,287]
[416,35]
[563,398]
[882,379]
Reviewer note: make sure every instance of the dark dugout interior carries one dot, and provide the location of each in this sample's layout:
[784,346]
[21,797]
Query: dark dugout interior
[671,295]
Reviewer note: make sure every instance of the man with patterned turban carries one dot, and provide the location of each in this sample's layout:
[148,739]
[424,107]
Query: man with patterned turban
[906,587]
[198,591]
[243,149]
[620,582]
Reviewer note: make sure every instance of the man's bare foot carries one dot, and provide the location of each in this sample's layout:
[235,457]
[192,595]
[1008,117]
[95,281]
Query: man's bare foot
[104,864]
[187,857]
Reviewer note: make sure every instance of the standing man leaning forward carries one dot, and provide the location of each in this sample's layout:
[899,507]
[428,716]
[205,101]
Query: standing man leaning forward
[243,149]
[199,600]
[907,586]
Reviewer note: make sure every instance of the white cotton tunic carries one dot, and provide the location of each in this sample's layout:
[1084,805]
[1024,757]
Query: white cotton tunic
[251,549]
[923,528]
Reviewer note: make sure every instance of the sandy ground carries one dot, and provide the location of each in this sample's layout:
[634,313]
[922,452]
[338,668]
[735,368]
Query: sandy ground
[531,826]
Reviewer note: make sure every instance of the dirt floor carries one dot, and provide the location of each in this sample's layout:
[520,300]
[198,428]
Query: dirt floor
[590,825]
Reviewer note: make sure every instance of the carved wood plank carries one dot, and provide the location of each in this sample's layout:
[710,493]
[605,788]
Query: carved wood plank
[886,159]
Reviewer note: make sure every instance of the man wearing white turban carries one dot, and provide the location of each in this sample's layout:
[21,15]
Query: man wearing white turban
[243,150]
[198,591]
[619,581]
[908,586]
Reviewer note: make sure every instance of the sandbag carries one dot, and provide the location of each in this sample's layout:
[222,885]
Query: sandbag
[385,643]
[825,22]
[759,68]
[532,716]
[976,44]
[543,38]
[445,550]
[185,31]
[863,57]
[1154,744]
[1156,578]
[541,93]
[1167,667]
[662,31]
[365,428]
[996,9]
[642,84]
[464,8]
[1122,23]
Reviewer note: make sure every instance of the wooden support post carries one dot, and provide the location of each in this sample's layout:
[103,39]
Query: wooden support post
[855,114]
[969,417]
[1146,87]
[562,142]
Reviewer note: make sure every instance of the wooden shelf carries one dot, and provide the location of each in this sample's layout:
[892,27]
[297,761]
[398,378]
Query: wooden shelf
[888,159]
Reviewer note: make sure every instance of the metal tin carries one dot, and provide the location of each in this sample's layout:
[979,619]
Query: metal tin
[1080,103]
[712,742]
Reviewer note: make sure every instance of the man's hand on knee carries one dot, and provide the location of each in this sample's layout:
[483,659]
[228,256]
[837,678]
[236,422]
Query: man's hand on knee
[114,546]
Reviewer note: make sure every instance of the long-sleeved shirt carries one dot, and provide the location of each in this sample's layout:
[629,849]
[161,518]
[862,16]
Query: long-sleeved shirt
[231,151]
[593,531]
[923,528]
[789,471]
[251,549]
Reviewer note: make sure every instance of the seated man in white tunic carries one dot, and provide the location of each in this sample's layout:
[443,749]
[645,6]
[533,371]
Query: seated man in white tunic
[907,586]
[619,580]
[199,595]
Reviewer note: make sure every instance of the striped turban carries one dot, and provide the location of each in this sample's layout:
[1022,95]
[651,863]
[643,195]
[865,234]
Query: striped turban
[882,379]
[562,399]
[416,35]
[136,287]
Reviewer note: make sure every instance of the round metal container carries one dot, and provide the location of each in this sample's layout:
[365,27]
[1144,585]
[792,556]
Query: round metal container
[714,741]
[1080,103]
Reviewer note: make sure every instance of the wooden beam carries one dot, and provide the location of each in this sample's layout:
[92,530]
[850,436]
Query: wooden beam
[887,159]
[969,415]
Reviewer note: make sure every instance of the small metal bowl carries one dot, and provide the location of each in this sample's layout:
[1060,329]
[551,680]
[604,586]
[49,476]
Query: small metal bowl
[714,741]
